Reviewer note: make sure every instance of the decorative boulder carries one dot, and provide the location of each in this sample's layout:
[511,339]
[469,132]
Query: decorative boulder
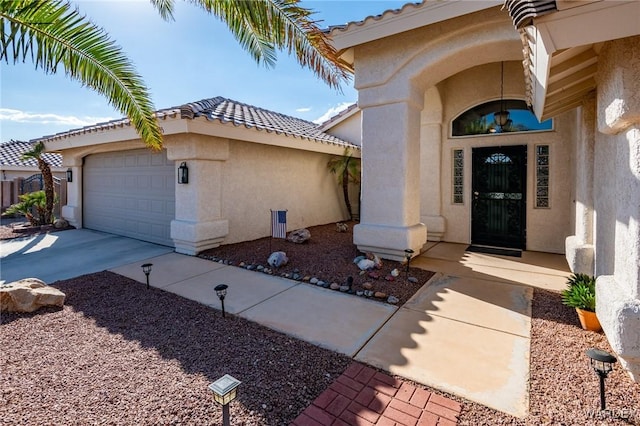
[60,224]
[277,259]
[299,236]
[376,260]
[28,295]
[342,227]
[366,264]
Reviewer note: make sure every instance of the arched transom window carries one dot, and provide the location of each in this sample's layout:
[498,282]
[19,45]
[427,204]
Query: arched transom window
[506,116]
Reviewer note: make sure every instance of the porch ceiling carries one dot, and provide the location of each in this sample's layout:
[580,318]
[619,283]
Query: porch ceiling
[561,49]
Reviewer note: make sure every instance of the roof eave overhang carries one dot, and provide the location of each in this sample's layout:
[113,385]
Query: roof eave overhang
[201,125]
[561,57]
[409,17]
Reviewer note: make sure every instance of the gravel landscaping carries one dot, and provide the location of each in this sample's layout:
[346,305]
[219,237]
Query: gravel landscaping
[328,256]
[120,354]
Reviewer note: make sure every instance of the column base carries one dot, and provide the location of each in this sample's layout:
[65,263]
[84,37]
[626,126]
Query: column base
[580,256]
[435,227]
[389,242]
[194,237]
[618,315]
[73,215]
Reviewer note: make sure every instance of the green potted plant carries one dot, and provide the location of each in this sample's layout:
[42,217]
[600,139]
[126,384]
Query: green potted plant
[581,295]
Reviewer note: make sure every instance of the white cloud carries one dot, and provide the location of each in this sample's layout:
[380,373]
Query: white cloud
[332,111]
[305,109]
[17,116]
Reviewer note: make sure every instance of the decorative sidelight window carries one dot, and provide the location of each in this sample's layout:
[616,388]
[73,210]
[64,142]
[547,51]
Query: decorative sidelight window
[458,176]
[542,176]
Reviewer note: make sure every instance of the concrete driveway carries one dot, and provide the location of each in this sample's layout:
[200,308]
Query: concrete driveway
[68,254]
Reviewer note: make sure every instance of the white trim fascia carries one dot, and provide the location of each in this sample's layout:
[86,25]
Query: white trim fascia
[591,23]
[203,126]
[411,16]
[174,126]
[332,122]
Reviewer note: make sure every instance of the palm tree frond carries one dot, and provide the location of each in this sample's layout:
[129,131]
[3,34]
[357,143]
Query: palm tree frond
[165,8]
[50,33]
[263,26]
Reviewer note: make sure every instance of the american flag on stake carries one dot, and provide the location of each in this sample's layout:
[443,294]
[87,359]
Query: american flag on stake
[278,224]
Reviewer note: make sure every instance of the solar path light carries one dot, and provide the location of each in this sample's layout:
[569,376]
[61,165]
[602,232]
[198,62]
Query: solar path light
[221,291]
[602,363]
[225,390]
[408,253]
[146,268]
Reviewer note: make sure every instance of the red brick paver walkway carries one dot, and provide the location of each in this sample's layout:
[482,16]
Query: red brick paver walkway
[362,396]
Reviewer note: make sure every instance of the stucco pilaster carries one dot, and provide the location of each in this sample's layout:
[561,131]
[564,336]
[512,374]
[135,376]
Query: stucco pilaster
[198,223]
[431,164]
[72,211]
[390,214]
[579,247]
[618,109]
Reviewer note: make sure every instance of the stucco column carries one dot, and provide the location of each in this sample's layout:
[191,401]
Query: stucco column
[579,247]
[618,295]
[72,211]
[198,223]
[431,165]
[390,214]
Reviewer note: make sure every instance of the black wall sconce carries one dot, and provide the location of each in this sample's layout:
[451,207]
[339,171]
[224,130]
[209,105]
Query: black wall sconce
[69,175]
[183,173]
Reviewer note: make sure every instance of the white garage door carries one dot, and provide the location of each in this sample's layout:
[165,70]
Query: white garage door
[130,193]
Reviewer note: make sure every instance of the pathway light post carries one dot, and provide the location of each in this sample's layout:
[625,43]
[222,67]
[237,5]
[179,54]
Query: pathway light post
[221,292]
[408,254]
[602,363]
[225,390]
[146,268]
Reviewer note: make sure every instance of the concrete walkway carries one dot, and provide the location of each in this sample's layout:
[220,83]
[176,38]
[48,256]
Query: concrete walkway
[465,332]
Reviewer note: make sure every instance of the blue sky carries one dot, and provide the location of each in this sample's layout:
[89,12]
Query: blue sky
[192,58]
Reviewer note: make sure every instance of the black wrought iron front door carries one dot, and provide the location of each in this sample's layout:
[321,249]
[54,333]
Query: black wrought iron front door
[498,215]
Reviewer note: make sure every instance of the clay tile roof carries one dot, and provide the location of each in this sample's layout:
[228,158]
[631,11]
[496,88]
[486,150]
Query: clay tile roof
[374,18]
[226,111]
[229,111]
[10,153]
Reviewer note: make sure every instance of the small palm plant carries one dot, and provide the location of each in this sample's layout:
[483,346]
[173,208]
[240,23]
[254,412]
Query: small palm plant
[581,295]
[581,292]
[33,201]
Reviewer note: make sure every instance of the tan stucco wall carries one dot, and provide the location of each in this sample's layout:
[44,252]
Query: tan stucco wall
[349,129]
[546,228]
[257,178]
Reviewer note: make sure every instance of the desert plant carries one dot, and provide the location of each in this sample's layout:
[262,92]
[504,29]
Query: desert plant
[347,169]
[580,292]
[29,202]
[46,216]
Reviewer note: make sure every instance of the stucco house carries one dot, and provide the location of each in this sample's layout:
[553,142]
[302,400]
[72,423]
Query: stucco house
[242,161]
[451,153]
[479,124]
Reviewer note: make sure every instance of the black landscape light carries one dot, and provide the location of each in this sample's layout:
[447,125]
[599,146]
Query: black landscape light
[221,292]
[602,363]
[408,254]
[183,173]
[69,175]
[225,390]
[146,268]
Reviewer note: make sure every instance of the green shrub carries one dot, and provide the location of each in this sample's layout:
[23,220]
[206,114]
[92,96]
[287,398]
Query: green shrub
[580,292]
[31,205]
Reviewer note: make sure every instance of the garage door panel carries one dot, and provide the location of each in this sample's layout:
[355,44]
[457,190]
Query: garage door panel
[130,193]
